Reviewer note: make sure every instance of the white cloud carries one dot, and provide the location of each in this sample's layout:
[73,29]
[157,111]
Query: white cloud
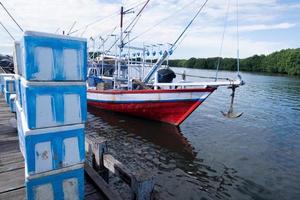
[203,39]
[259,27]
[209,46]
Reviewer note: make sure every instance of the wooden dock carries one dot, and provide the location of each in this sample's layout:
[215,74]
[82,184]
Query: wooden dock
[12,162]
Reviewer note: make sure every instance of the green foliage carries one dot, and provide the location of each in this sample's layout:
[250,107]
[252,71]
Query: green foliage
[285,62]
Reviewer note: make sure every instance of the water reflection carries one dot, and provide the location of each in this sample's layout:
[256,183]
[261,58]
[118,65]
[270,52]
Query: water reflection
[162,149]
[161,134]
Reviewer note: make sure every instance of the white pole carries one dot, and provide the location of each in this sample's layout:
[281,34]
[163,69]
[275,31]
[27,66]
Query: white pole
[143,66]
[129,67]
[102,67]
[155,80]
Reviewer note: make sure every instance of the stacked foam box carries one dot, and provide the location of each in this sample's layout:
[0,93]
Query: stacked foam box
[51,111]
[12,103]
[8,87]
[2,76]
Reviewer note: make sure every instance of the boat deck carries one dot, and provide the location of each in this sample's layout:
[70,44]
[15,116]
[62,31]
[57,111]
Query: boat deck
[12,162]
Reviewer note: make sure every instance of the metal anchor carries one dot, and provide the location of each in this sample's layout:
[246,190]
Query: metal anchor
[230,113]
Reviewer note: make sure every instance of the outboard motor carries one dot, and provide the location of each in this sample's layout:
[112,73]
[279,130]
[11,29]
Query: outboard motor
[165,75]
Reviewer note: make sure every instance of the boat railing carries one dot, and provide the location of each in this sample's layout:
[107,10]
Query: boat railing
[228,82]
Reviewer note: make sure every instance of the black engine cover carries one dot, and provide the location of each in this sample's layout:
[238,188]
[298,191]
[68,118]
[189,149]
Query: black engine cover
[165,75]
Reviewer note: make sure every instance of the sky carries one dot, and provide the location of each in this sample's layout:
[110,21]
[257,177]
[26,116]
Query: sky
[265,26]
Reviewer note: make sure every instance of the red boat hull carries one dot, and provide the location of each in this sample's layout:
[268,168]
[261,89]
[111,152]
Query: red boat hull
[170,106]
[170,112]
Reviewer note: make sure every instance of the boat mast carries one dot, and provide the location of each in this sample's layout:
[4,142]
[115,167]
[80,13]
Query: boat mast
[121,42]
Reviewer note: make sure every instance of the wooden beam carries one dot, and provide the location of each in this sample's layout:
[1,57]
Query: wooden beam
[101,184]
[141,183]
[95,148]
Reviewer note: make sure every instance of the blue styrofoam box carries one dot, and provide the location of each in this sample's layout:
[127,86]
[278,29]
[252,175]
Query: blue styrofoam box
[67,183]
[18,89]
[3,75]
[2,84]
[9,84]
[48,104]
[50,57]
[1,88]
[17,57]
[50,148]
[7,96]
[12,103]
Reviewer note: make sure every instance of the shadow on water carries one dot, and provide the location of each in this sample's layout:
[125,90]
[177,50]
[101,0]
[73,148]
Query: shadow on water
[164,135]
[162,149]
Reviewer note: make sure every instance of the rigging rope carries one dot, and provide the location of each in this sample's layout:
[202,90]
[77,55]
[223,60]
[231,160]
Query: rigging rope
[222,40]
[179,42]
[104,18]
[11,17]
[94,22]
[186,28]
[136,18]
[7,31]
[238,37]
[72,26]
[161,21]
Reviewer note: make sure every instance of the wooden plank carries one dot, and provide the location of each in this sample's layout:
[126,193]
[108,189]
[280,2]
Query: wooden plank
[12,166]
[8,133]
[95,196]
[101,184]
[89,187]
[11,157]
[16,154]
[117,168]
[12,180]
[18,194]
[11,161]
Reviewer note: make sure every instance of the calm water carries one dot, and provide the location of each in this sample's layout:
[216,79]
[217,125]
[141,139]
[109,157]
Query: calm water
[210,157]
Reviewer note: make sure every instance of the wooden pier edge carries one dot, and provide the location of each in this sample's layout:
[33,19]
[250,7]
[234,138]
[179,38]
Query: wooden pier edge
[101,184]
[97,156]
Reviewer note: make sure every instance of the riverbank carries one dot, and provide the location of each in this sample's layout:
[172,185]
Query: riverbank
[286,61]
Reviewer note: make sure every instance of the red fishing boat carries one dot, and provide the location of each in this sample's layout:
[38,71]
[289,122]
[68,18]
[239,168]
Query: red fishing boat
[170,106]
[112,85]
